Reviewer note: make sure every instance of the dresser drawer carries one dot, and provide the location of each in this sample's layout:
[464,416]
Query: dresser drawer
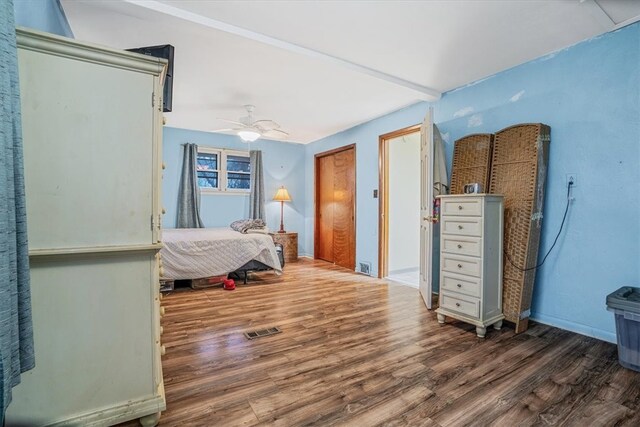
[468,306]
[461,245]
[462,207]
[461,265]
[461,284]
[462,226]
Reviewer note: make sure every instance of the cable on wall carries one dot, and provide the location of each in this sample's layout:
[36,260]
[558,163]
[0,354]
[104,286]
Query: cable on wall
[564,217]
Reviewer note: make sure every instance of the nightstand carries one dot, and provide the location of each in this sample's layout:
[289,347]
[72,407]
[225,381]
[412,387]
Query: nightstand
[289,242]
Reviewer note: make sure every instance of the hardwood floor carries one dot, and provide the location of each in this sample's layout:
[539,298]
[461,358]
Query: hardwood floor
[357,351]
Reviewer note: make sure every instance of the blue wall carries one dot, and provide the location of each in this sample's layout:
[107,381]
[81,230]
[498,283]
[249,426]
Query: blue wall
[283,164]
[43,15]
[590,96]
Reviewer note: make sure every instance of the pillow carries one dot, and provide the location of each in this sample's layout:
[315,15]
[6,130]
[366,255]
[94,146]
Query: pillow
[242,225]
[264,230]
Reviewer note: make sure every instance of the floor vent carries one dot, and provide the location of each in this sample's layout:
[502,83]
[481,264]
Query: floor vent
[262,333]
[365,268]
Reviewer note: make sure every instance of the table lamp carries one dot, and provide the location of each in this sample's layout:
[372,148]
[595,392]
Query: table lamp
[282,195]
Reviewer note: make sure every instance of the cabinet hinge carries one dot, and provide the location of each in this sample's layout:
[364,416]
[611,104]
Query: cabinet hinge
[153,223]
[153,99]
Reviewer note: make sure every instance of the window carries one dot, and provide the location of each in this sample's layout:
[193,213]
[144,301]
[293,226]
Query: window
[223,171]
[238,172]
[208,172]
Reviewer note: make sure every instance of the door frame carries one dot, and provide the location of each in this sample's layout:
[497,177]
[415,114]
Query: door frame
[316,206]
[383,195]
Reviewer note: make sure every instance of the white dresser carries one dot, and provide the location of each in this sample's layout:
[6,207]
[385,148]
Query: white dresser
[471,260]
[92,127]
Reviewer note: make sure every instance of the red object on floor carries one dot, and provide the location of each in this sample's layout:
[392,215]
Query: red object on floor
[229,285]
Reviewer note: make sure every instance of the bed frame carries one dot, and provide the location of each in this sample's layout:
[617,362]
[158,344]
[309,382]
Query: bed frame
[253,265]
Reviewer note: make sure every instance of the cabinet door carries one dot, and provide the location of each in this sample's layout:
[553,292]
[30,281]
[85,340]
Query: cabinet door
[88,164]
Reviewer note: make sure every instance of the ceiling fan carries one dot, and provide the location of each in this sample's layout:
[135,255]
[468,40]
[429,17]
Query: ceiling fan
[250,129]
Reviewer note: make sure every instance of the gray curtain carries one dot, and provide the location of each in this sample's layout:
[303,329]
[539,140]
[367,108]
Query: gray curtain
[256,198]
[188,215]
[16,332]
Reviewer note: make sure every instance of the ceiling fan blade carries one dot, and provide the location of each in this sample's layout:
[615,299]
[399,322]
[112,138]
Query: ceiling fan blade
[277,132]
[232,122]
[267,124]
[224,130]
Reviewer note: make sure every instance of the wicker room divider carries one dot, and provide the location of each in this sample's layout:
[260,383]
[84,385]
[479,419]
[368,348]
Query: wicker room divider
[518,172]
[471,161]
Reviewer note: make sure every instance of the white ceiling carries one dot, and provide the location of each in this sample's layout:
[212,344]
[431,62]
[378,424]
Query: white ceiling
[318,67]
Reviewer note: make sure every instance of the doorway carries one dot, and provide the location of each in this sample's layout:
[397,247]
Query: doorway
[335,206]
[399,242]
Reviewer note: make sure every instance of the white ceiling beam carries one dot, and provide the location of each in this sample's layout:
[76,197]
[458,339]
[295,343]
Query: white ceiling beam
[627,22]
[598,13]
[424,92]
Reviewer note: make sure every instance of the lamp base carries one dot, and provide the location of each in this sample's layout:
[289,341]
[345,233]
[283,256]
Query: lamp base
[281,231]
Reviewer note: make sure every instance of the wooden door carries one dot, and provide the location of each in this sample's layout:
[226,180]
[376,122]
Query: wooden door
[324,208]
[426,209]
[335,239]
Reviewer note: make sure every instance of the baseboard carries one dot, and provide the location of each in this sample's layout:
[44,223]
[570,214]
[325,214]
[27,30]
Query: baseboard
[401,282]
[575,327]
[403,271]
[116,414]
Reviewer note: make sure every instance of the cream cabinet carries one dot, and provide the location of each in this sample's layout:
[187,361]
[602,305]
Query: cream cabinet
[92,127]
[471,260]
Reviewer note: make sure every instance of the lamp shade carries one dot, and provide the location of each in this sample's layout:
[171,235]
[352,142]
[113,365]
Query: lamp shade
[282,195]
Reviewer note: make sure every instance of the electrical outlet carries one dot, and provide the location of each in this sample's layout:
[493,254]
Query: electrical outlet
[572,177]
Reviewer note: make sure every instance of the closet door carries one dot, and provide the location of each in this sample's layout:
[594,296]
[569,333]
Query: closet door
[344,251]
[335,239]
[324,208]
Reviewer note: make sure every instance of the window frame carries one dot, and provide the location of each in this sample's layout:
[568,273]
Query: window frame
[222,154]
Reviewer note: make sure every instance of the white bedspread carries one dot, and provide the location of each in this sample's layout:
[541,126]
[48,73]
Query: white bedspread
[192,253]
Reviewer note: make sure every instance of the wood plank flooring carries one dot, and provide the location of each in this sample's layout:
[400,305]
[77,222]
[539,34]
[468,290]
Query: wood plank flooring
[358,351]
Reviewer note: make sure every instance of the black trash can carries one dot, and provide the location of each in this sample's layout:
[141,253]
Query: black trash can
[625,304]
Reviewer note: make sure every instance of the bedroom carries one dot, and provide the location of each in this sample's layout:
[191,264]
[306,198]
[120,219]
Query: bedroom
[353,348]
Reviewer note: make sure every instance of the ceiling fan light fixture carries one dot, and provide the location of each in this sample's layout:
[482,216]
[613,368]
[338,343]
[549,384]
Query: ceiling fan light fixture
[248,135]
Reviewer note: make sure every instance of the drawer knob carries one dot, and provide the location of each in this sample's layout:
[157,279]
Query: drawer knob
[457,304]
[459,285]
[161,311]
[459,265]
[163,350]
[459,246]
[460,227]
[460,207]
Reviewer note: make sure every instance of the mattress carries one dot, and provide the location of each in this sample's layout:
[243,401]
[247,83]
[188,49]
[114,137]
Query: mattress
[192,253]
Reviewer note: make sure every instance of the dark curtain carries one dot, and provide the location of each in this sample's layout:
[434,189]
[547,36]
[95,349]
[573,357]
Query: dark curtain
[16,330]
[256,198]
[188,215]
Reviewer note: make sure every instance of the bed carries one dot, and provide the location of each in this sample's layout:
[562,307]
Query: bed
[193,253]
